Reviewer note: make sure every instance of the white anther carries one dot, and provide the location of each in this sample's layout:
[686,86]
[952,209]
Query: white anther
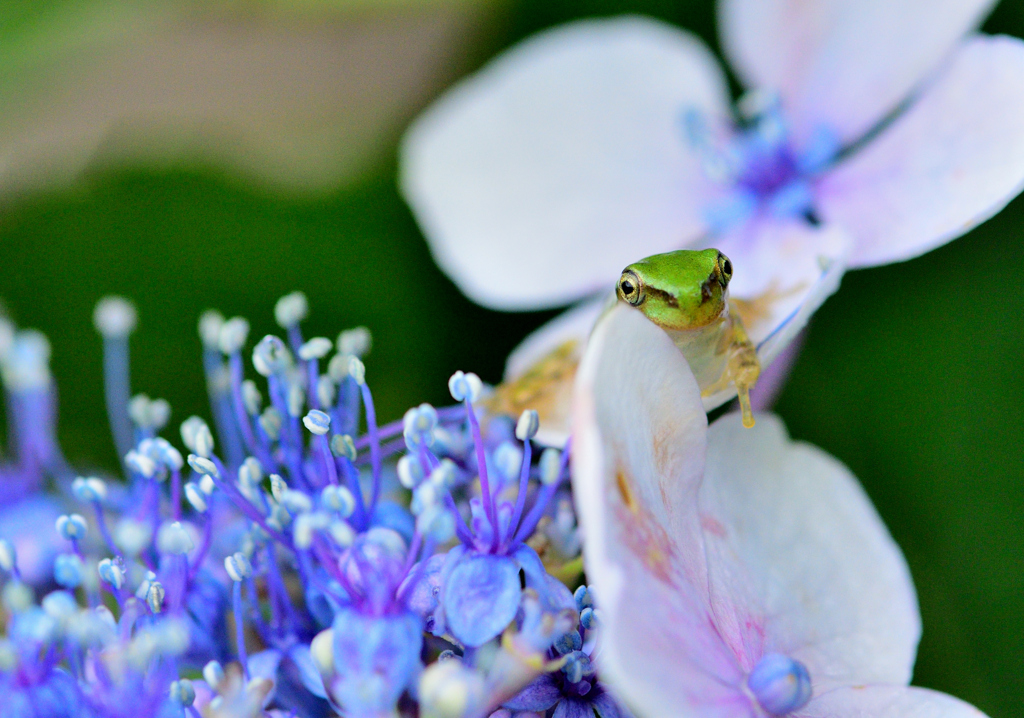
[195,497]
[296,502]
[213,674]
[251,471]
[202,465]
[251,397]
[132,536]
[306,525]
[342,445]
[89,489]
[337,367]
[174,539]
[465,387]
[210,323]
[355,342]
[321,650]
[277,486]
[356,370]
[72,527]
[233,335]
[291,309]
[444,474]
[111,573]
[528,425]
[196,436]
[18,597]
[296,399]
[8,556]
[237,566]
[317,422]
[155,596]
[550,466]
[140,464]
[449,689]
[207,484]
[271,356]
[342,533]
[169,456]
[410,473]
[182,692]
[26,365]
[326,391]
[315,348]
[338,499]
[271,421]
[114,317]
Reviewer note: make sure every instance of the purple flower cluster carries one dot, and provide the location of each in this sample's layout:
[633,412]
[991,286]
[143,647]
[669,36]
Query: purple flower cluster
[297,560]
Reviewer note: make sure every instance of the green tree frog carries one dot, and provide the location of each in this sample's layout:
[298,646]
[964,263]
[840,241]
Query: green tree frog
[686,293]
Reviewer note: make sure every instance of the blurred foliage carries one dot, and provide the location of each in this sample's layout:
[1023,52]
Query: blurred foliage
[911,374]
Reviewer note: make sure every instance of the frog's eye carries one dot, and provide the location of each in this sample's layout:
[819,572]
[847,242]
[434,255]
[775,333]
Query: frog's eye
[630,288]
[724,269]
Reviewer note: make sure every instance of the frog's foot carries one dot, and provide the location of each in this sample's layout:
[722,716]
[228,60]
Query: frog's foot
[745,370]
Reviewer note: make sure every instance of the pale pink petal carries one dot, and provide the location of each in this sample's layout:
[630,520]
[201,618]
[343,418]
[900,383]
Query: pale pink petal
[887,702]
[573,325]
[953,160]
[539,178]
[638,432]
[800,562]
[844,64]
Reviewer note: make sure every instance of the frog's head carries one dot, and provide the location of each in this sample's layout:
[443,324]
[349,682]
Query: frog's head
[685,289]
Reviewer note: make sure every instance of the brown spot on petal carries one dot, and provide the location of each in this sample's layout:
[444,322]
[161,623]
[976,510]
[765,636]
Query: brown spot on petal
[642,533]
[622,482]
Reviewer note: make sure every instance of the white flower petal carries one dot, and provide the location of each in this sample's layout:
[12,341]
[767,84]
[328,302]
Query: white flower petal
[953,160]
[539,178]
[888,702]
[799,561]
[842,63]
[638,433]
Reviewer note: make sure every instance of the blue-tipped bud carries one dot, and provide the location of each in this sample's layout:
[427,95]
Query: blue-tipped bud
[89,489]
[576,665]
[550,466]
[355,342]
[68,570]
[210,323]
[111,572]
[196,436]
[465,387]
[589,618]
[291,309]
[72,527]
[251,397]
[338,499]
[271,356]
[203,466]
[250,473]
[583,598]
[195,497]
[528,425]
[182,692]
[114,317]
[780,684]
[356,370]
[233,335]
[8,556]
[568,642]
[418,425]
[173,539]
[238,566]
[342,445]
[317,422]
[315,348]
[271,421]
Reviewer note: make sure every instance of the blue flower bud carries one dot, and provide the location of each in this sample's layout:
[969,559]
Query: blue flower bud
[111,573]
[196,436]
[59,605]
[588,618]
[213,674]
[237,566]
[583,598]
[568,642]
[573,667]
[338,499]
[780,684]
[202,466]
[250,473]
[317,422]
[342,445]
[173,539]
[410,472]
[195,497]
[68,570]
[140,464]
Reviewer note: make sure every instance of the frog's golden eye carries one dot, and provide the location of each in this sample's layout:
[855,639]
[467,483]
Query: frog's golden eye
[724,269]
[630,288]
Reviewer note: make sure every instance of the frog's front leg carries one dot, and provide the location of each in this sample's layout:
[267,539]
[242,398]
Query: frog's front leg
[742,367]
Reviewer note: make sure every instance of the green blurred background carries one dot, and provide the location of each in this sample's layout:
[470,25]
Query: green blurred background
[911,374]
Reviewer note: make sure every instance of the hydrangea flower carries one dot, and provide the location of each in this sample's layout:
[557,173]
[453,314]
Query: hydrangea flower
[872,132]
[769,584]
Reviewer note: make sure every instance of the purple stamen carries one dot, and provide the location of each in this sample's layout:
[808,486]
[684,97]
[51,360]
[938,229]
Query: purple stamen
[481,460]
[375,457]
[236,602]
[524,482]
